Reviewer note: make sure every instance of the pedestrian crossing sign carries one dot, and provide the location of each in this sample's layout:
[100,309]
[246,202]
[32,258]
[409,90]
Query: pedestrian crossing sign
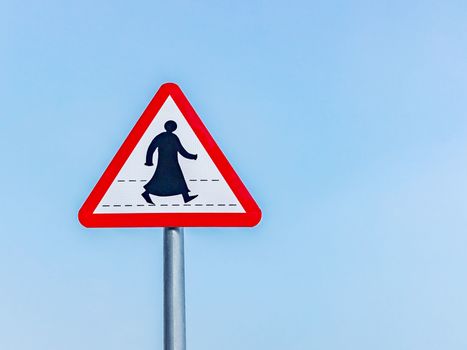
[169,172]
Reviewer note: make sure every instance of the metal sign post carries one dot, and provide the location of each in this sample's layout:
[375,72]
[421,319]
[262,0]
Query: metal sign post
[174,289]
[206,192]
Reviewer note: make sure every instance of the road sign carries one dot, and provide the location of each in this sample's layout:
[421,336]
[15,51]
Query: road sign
[169,172]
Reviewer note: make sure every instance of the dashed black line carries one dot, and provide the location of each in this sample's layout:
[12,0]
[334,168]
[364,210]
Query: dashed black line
[132,180]
[145,180]
[203,180]
[168,204]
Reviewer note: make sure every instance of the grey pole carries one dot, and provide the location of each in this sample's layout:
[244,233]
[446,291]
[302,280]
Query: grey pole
[174,289]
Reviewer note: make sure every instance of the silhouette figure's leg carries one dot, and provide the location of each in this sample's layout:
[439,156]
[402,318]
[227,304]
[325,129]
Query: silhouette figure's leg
[187,198]
[146,197]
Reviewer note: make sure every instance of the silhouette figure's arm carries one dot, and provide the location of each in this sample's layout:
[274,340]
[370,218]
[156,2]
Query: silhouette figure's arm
[185,153]
[151,149]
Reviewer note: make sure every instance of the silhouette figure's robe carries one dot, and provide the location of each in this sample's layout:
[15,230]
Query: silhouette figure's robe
[168,179]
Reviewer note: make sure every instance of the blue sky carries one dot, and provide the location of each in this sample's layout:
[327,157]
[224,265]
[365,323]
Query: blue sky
[345,119]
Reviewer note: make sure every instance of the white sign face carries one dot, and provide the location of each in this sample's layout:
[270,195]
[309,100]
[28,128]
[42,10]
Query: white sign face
[163,175]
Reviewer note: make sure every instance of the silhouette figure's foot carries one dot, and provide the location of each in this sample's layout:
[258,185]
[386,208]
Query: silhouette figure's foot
[189,198]
[146,197]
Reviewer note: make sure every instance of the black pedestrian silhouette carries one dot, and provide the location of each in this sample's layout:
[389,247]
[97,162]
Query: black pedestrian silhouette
[168,179]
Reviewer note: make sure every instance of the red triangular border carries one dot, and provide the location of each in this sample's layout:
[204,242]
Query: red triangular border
[252,214]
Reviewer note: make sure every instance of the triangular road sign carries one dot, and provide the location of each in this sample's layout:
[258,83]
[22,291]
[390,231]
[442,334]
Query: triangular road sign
[169,172]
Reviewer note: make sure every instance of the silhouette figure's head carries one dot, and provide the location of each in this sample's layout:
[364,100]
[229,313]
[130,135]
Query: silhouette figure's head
[170,126]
